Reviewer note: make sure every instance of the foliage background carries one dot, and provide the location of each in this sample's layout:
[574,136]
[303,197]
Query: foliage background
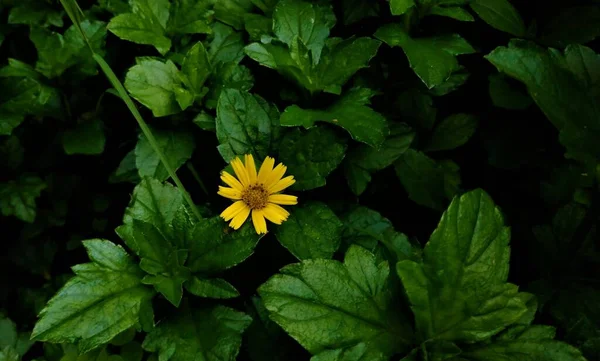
[536,158]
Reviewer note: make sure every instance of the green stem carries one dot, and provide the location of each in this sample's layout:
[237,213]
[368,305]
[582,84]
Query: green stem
[73,11]
[196,176]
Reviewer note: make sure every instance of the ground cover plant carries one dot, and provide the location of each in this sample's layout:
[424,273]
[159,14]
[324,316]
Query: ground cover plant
[269,180]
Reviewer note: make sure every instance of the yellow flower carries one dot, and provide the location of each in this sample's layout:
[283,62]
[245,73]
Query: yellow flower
[256,193]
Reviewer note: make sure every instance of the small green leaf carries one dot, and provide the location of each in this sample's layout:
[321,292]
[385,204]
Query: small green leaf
[213,333]
[228,76]
[312,231]
[227,45]
[433,59]
[428,183]
[459,291]
[146,24]
[246,124]
[453,12]
[17,198]
[364,160]
[526,350]
[36,13]
[102,300]
[197,68]
[232,12]
[505,96]
[177,147]
[257,25]
[310,156]
[156,85]
[399,7]
[189,17]
[87,138]
[211,288]
[452,132]
[351,112]
[501,15]
[310,300]
[356,10]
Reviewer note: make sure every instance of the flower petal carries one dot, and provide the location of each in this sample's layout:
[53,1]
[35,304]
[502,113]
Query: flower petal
[284,199]
[251,168]
[275,213]
[230,193]
[275,175]
[233,210]
[265,169]
[240,218]
[240,171]
[282,184]
[258,218]
[231,181]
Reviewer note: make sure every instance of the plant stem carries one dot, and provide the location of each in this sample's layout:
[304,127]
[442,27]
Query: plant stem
[196,176]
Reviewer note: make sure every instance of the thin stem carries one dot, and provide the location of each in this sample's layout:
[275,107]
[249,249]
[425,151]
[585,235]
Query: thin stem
[196,176]
[75,13]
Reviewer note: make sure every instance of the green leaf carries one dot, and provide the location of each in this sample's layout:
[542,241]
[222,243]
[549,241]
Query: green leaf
[417,108]
[428,183]
[356,10]
[246,124]
[57,53]
[501,15]
[17,198]
[310,156]
[197,68]
[226,46]
[11,152]
[103,299]
[33,12]
[399,7]
[156,85]
[453,12]
[585,64]
[146,24]
[364,160]
[190,17]
[359,352]
[309,23]
[177,147]
[257,26]
[213,333]
[9,354]
[452,132]
[433,59]
[568,104]
[126,171]
[570,25]
[86,138]
[114,6]
[228,76]
[459,291]
[216,247]
[312,231]
[526,350]
[506,96]
[211,288]
[325,304]
[351,112]
[232,12]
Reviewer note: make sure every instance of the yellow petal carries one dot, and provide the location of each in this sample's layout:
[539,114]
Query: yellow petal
[258,218]
[230,193]
[282,184]
[275,175]
[231,181]
[251,168]
[240,171]
[275,213]
[265,169]
[233,210]
[240,218]
[284,199]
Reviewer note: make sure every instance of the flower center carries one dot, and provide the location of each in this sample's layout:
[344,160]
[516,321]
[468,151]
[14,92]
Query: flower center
[256,196]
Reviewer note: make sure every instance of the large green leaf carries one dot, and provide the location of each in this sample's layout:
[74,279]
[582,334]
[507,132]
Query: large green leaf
[18,197]
[189,17]
[433,59]
[311,231]
[176,146]
[310,156]
[459,291]
[246,124]
[325,304]
[364,160]
[104,298]
[501,15]
[146,24]
[567,102]
[452,132]
[525,350]
[33,12]
[210,334]
[351,112]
